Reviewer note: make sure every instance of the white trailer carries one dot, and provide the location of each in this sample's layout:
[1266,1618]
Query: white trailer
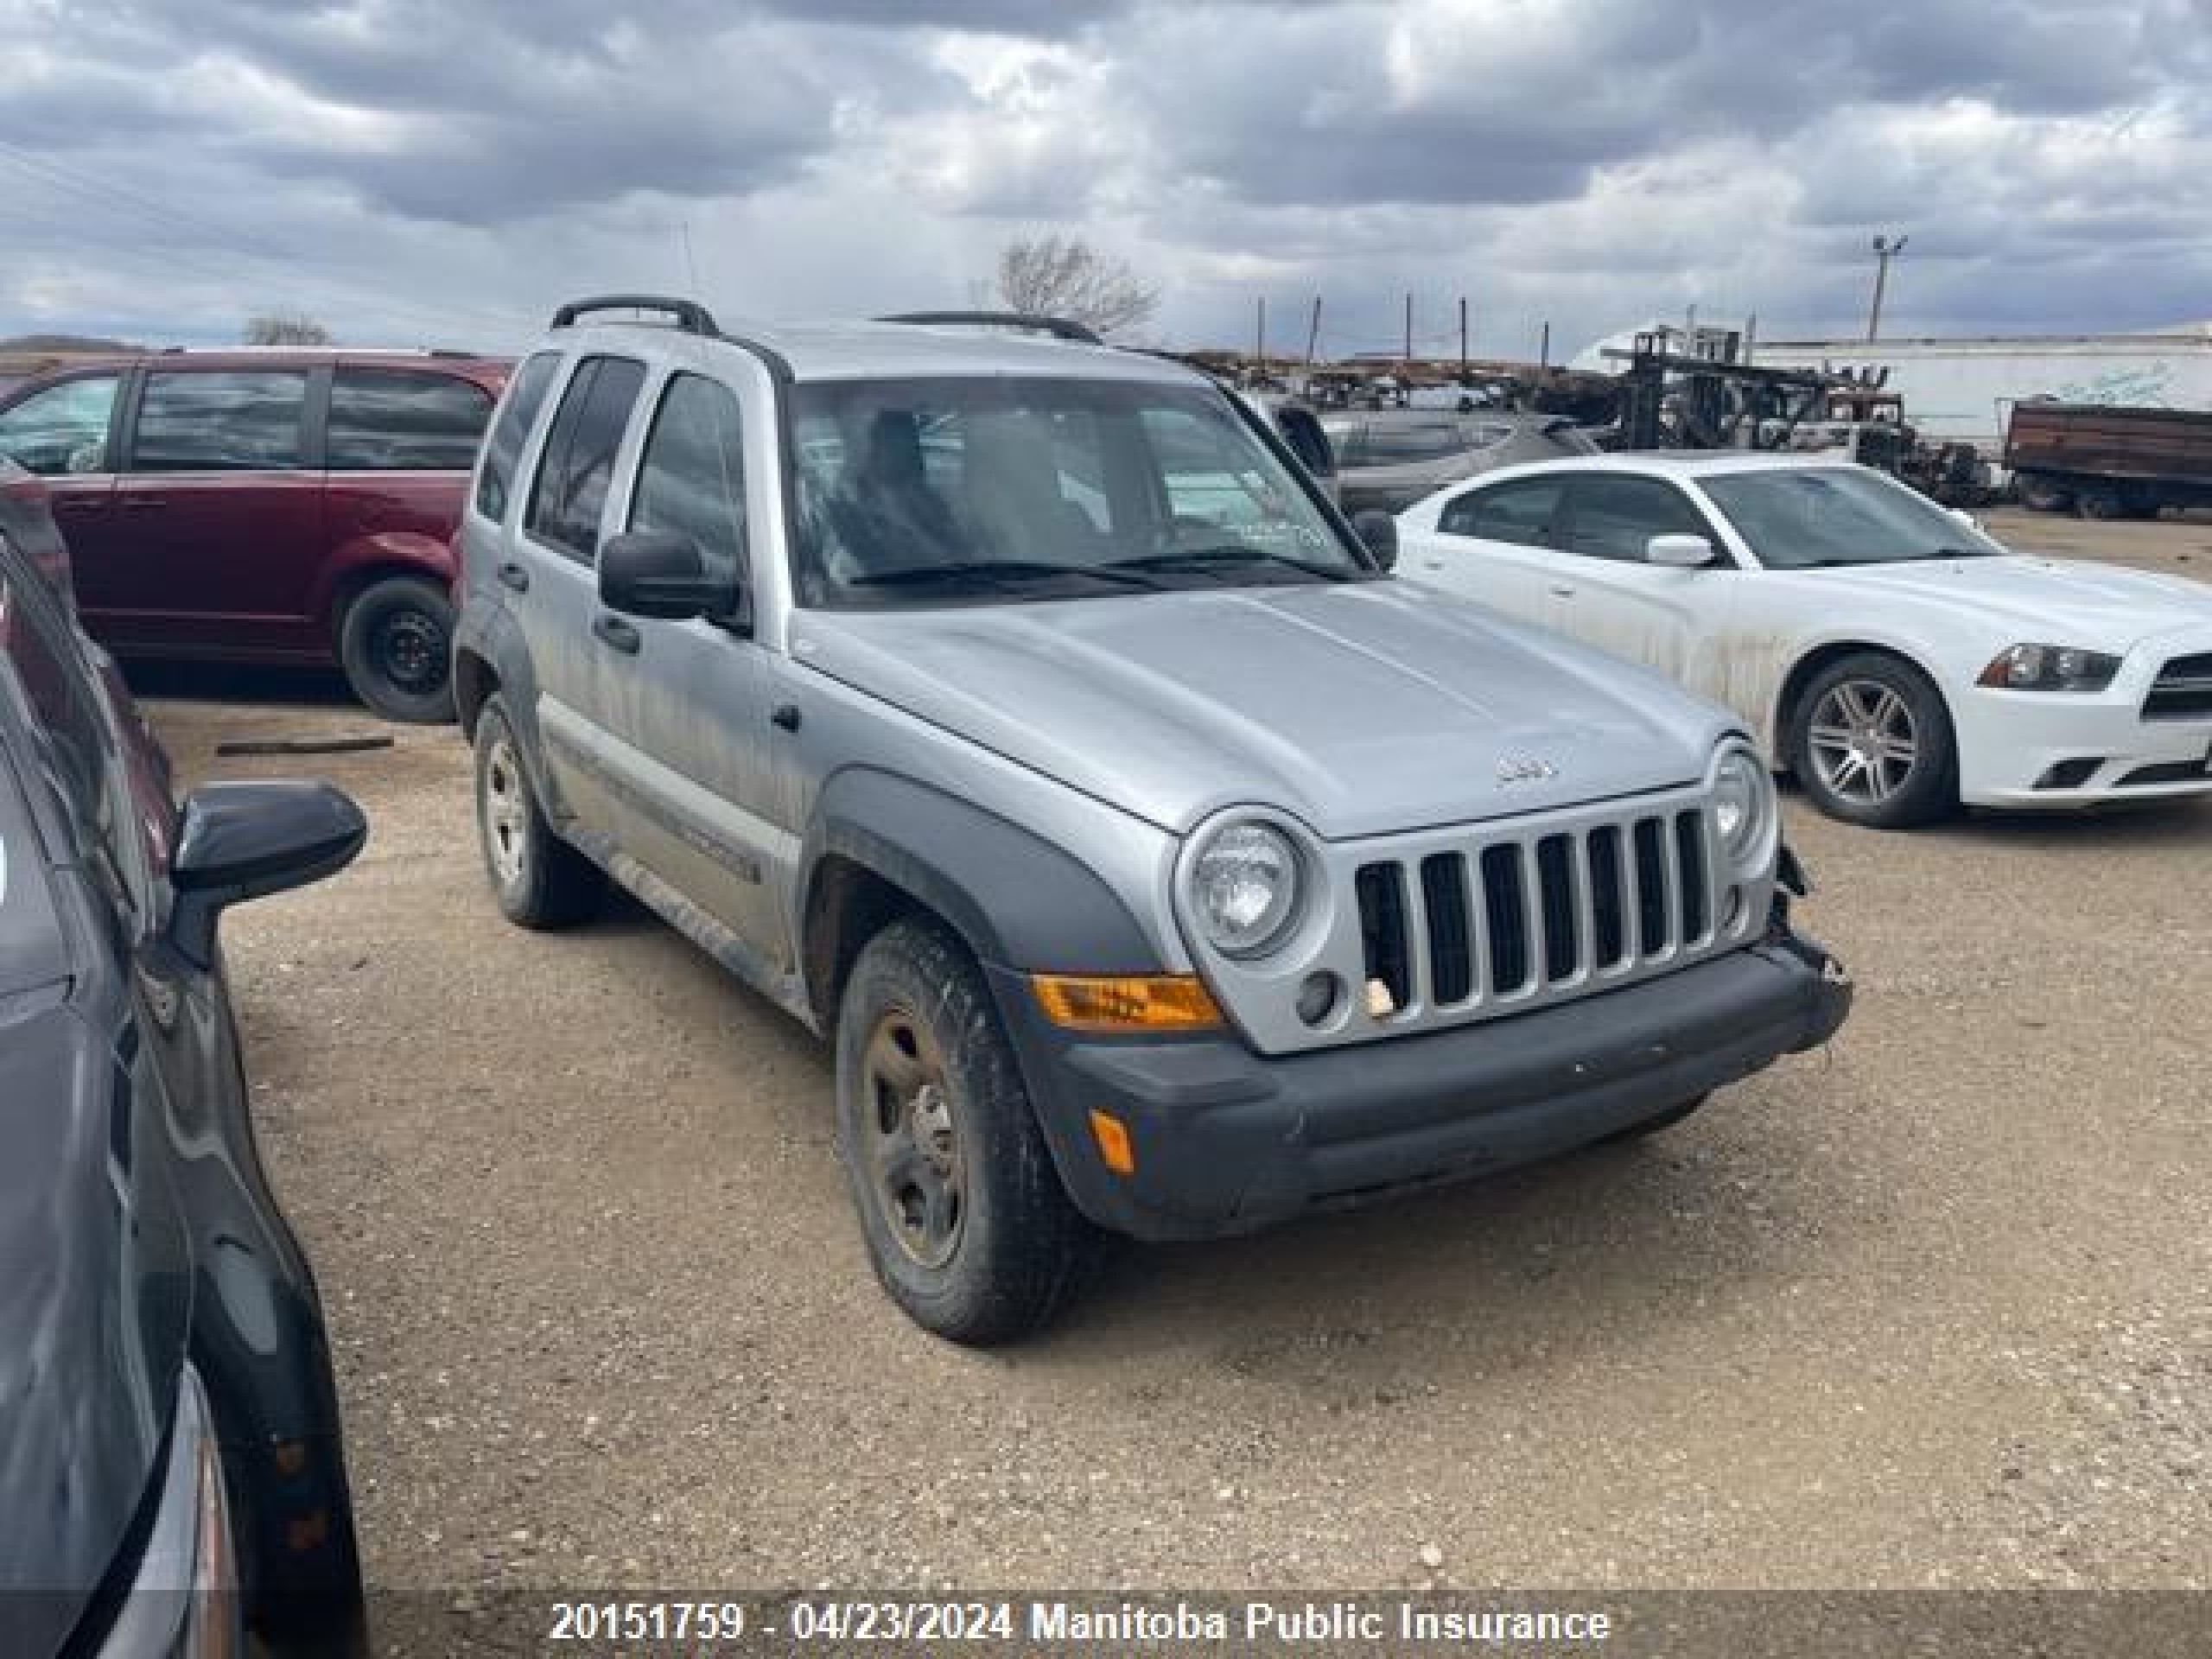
[1957,389]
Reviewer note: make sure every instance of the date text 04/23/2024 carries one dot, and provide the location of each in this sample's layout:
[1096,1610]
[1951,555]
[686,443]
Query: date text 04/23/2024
[802,1622]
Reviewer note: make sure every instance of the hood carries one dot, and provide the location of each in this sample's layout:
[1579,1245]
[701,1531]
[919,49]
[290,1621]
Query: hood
[2039,600]
[91,1331]
[1361,707]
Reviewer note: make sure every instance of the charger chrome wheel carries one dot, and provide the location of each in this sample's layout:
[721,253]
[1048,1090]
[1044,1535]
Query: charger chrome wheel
[913,1151]
[1864,742]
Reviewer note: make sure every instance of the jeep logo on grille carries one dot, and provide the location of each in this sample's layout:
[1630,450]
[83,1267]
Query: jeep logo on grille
[1515,769]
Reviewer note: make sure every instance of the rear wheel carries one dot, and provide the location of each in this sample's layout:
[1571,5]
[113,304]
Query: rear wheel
[1872,743]
[2042,492]
[539,880]
[2101,501]
[961,1208]
[395,642]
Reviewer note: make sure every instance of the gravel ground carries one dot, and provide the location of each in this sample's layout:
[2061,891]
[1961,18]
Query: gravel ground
[1930,1309]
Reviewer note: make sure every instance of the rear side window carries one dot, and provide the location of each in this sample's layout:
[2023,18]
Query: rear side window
[1395,446]
[1520,512]
[577,468]
[1613,516]
[692,477]
[404,419]
[502,449]
[63,428]
[219,421]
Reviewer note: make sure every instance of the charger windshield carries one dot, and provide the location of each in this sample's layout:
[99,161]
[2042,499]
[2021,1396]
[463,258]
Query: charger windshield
[981,489]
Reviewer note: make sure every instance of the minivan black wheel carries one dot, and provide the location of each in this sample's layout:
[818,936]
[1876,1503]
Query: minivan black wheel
[962,1212]
[539,880]
[395,642]
[1872,743]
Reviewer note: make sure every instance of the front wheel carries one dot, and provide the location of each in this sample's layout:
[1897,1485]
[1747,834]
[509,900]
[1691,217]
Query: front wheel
[963,1215]
[1872,744]
[395,642]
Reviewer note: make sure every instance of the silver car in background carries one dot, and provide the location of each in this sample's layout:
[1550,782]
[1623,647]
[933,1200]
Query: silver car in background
[1388,458]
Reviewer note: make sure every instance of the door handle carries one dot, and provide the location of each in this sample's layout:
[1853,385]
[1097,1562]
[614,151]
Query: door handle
[513,575]
[1562,590]
[143,503]
[614,631]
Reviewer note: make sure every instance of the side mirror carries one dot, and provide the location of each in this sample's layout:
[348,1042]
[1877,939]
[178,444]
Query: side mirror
[242,841]
[659,573]
[1679,552]
[1966,518]
[1378,532]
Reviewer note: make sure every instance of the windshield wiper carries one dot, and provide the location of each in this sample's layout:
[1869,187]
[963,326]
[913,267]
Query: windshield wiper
[1005,573]
[1203,558]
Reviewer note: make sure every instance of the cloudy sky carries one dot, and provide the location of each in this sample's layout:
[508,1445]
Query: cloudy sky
[445,171]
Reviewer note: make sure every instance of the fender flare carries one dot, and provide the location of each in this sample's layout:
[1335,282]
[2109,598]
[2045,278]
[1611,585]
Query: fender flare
[1017,901]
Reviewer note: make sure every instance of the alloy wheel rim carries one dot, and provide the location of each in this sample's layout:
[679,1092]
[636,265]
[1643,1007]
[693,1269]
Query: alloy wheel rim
[916,1169]
[506,822]
[1865,742]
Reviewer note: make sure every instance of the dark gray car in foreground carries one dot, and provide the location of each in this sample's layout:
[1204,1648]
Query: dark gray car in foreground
[1019,714]
[171,1470]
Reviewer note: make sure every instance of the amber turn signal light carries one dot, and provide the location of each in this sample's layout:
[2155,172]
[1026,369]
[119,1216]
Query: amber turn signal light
[1113,1138]
[1130,1002]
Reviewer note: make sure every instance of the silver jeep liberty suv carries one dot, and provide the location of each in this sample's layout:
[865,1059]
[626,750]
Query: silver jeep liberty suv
[1016,712]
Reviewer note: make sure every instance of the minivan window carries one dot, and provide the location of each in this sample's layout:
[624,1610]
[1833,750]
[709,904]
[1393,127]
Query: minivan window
[61,429]
[220,420]
[502,449]
[692,477]
[404,419]
[577,468]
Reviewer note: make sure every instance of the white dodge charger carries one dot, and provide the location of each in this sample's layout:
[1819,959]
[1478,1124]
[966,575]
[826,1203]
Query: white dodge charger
[1887,652]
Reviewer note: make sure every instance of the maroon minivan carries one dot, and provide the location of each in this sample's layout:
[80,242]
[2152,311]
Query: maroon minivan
[272,506]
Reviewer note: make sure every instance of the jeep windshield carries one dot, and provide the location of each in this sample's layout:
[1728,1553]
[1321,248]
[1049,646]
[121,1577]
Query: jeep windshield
[978,490]
[1822,515]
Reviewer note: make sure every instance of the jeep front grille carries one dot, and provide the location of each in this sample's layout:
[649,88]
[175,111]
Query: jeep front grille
[2182,690]
[1536,917]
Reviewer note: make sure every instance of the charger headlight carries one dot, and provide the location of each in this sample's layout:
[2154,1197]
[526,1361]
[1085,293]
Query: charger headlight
[1245,886]
[2050,668]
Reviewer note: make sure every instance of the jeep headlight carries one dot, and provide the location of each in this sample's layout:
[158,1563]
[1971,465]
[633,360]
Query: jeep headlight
[1743,810]
[1245,886]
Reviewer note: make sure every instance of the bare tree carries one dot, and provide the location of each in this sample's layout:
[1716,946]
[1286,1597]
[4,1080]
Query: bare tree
[1057,276]
[285,328]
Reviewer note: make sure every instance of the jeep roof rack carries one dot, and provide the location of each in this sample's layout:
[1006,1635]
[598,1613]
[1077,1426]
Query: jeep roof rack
[687,315]
[1057,327]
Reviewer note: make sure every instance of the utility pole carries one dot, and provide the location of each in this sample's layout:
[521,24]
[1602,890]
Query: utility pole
[1410,327]
[1462,337]
[1314,333]
[1885,249]
[1260,336]
[1544,351]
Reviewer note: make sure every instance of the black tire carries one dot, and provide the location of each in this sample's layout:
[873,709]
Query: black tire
[2101,501]
[964,1217]
[2042,492]
[395,642]
[1652,1125]
[539,880]
[1871,705]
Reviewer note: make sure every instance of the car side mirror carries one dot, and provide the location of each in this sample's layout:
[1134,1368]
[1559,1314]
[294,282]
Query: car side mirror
[242,841]
[1679,552]
[1966,518]
[1378,533]
[661,574]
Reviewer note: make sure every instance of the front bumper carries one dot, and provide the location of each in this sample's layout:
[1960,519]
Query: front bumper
[2013,744]
[1226,1141]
